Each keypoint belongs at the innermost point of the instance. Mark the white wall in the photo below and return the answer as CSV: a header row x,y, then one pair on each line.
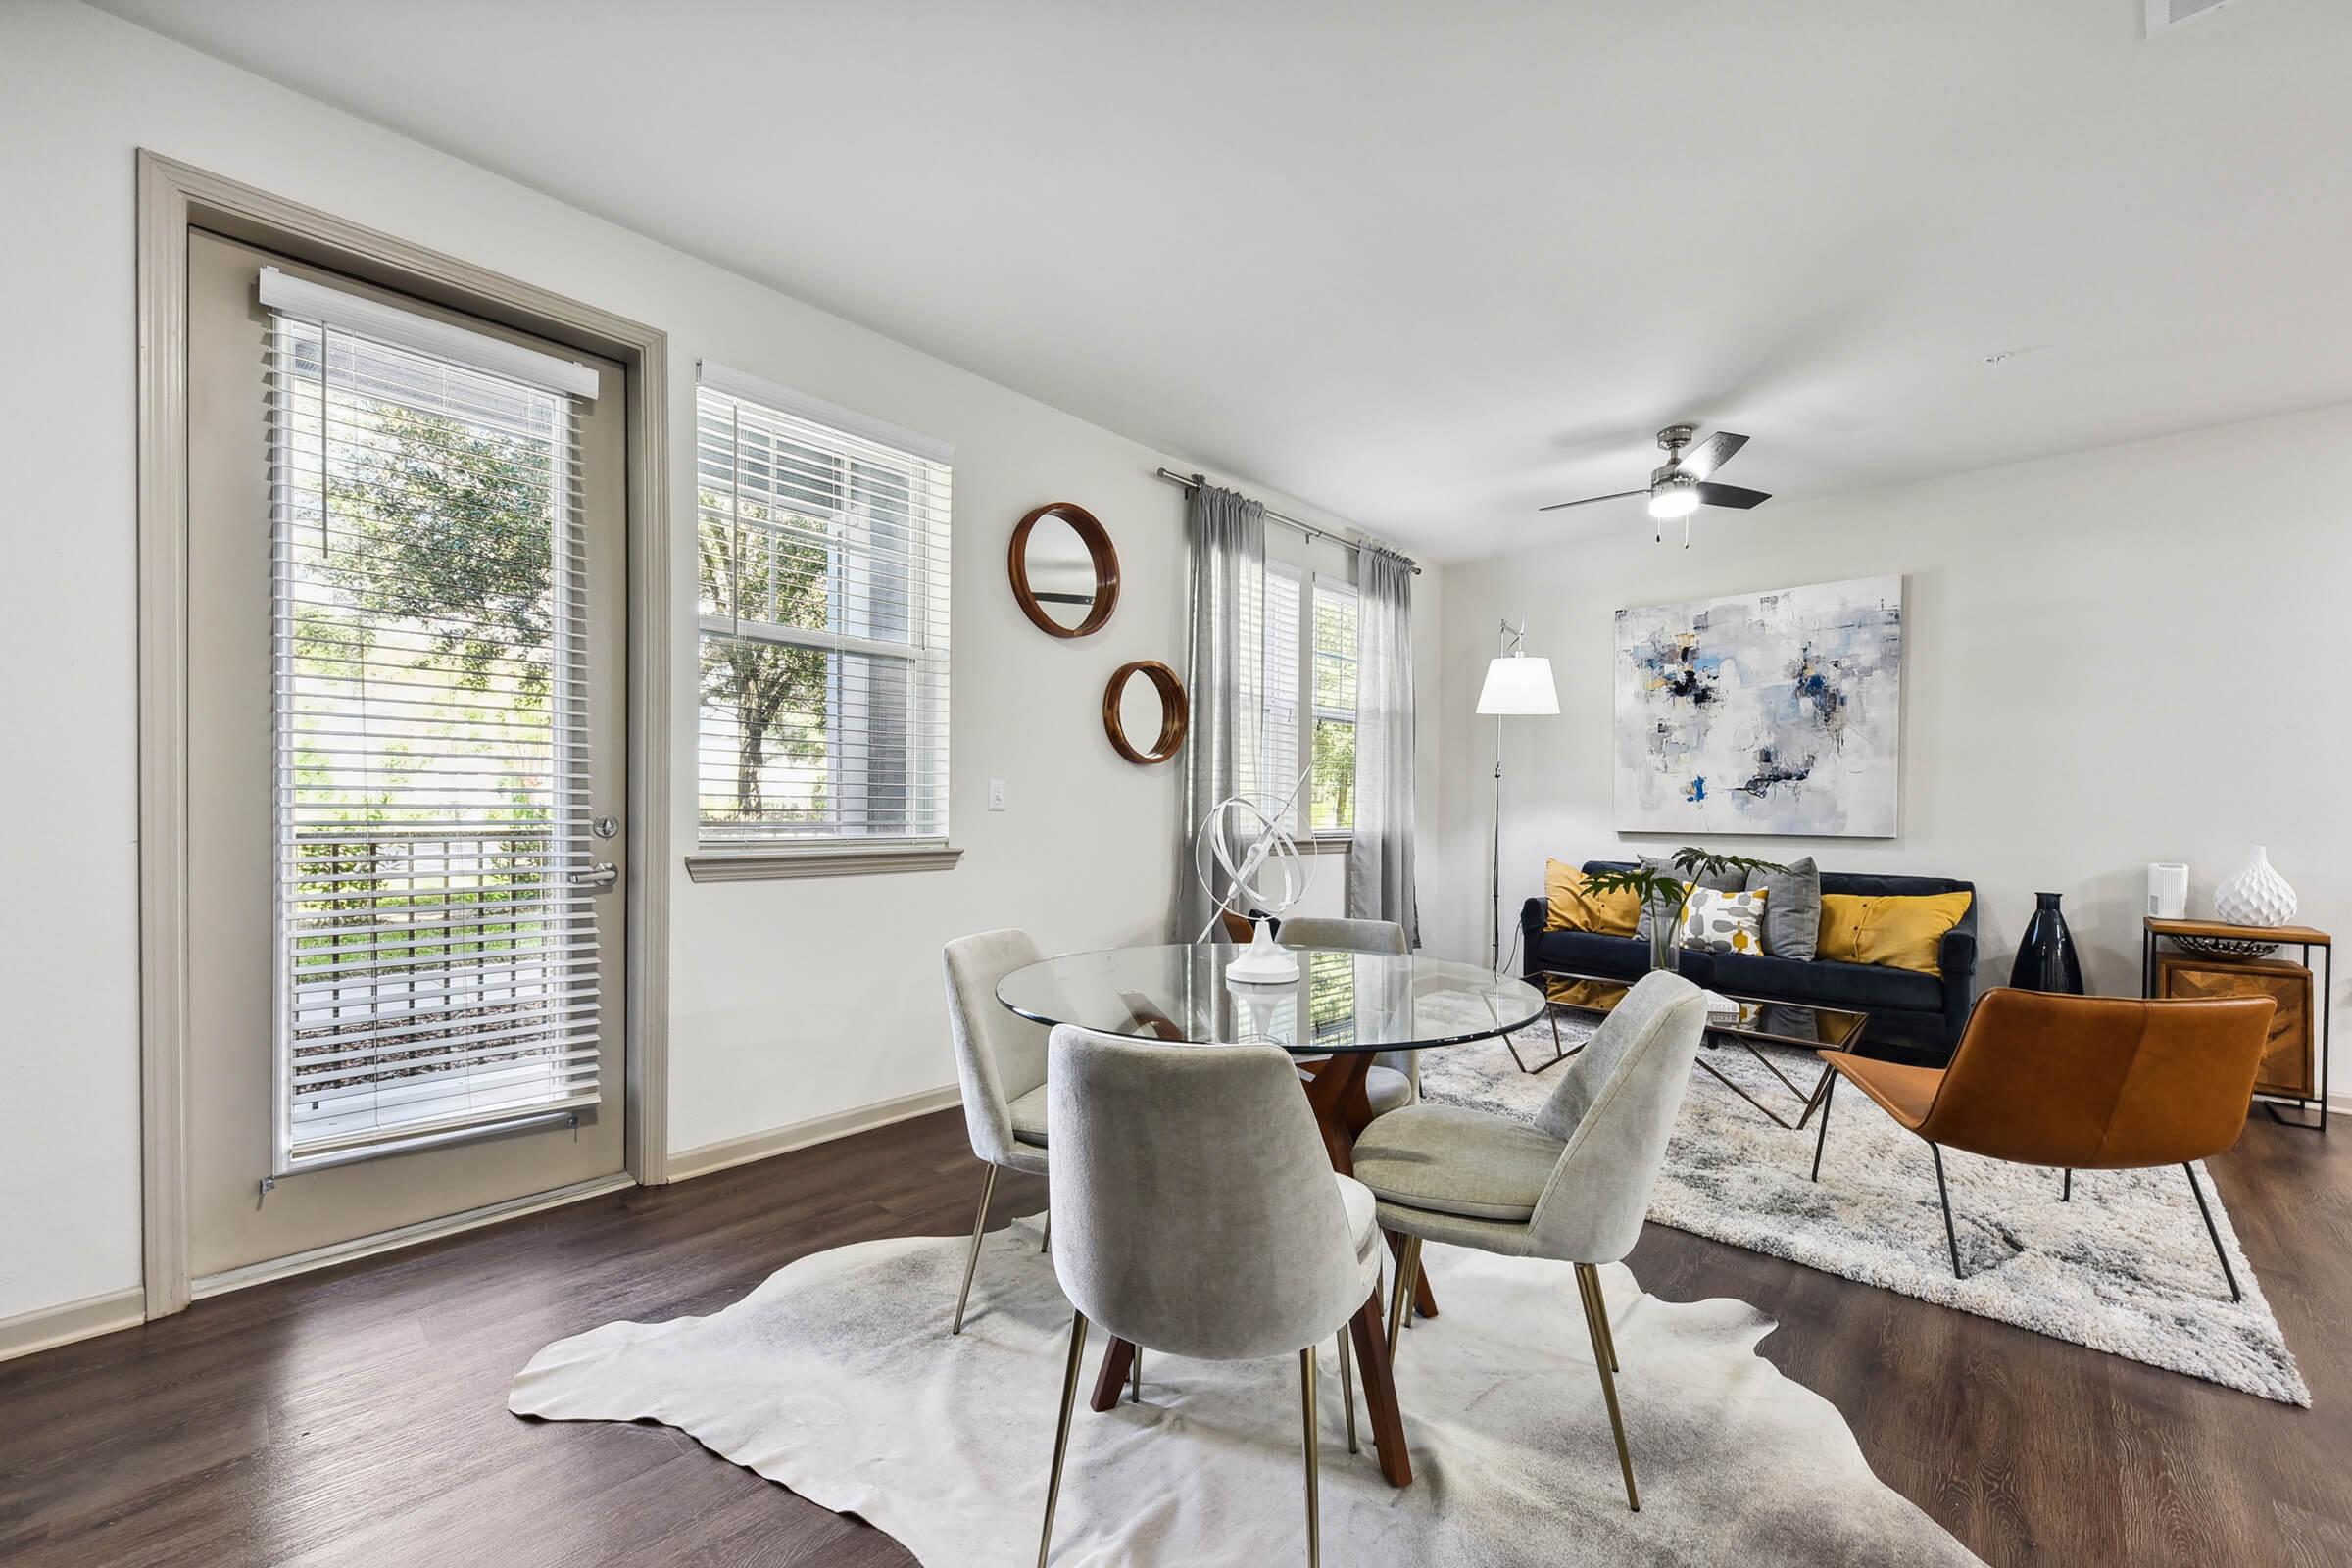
x,y
792,1000
2112,658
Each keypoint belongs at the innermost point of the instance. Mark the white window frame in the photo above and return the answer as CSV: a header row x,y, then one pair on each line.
x,y
836,853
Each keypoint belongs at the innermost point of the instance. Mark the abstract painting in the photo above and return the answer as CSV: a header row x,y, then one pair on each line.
x,y
1762,713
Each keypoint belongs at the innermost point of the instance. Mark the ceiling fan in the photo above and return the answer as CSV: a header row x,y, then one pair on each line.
x,y
1679,486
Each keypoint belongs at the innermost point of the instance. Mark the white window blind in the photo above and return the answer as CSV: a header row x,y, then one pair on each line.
x,y
822,539
1307,709
1281,732
1332,697
437,972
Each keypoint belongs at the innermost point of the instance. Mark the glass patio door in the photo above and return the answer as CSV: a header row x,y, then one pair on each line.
x,y
405,536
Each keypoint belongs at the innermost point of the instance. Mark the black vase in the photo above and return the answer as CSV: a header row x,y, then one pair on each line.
x,y
2047,959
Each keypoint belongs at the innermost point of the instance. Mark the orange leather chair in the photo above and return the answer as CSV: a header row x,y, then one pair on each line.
x,y
2082,1083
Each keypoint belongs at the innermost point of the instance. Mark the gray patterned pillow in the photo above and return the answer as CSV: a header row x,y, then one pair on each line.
x,y
1721,881
1715,922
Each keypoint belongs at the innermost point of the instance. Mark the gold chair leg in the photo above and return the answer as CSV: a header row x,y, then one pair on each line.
x,y
988,1188
1347,1388
1061,1433
1603,1359
1314,1518
1589,1284
1408,1274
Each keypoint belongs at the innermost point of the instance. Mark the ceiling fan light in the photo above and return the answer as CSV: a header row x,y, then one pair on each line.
x,y
1674,497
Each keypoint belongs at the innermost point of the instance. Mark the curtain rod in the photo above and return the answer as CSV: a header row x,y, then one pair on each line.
x,y
1193,481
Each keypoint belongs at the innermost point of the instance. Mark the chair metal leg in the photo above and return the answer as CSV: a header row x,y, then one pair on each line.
x,y
1046,1242
1347,1388
988,1188
1314,1519
1944,1196
1605,1360
2214,1232
1061,1433
1408,1270
1135,1377
2066,1192
1829,1093
1589,1284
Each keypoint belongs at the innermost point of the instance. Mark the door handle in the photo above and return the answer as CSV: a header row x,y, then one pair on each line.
x,y
604,876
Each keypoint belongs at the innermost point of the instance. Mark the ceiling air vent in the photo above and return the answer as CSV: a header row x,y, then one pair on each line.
x,y
2165,14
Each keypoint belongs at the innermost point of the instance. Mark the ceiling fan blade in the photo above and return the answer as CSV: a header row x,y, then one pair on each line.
x,y
1712,454
1731,494
1617,494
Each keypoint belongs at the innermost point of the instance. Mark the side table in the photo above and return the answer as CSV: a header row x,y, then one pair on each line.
x,y
2305,1018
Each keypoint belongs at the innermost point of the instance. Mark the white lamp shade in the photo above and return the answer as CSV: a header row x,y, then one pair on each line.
x,y
1518,685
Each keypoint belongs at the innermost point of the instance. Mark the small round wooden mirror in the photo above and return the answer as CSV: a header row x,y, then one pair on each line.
x,y
1154,706
1064,571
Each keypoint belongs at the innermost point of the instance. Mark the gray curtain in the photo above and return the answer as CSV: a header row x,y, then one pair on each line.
x,y
1224,675
1380,861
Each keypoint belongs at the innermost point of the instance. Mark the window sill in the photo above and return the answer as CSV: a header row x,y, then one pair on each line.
x,y
1328,843
767,865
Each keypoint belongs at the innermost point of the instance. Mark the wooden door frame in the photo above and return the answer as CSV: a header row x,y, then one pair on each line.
x,y
173,198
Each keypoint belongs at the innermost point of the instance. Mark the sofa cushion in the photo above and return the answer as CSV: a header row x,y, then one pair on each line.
x,y
1584,953
1792,909
1862,986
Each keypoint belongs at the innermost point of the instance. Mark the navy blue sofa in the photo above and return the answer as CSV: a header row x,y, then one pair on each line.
x,y
1914,1017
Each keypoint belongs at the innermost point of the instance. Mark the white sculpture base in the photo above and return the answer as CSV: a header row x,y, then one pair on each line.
x,y
1262,963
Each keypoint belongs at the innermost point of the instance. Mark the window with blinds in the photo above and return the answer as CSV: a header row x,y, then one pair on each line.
x,y
1309,703
1282,729
822,539
437,970
1332,694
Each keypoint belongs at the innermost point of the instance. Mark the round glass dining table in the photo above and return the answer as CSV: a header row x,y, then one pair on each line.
x,y
1343,1001
1344,1009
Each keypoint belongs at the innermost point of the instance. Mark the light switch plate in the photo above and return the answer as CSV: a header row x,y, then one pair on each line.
x,y
995,794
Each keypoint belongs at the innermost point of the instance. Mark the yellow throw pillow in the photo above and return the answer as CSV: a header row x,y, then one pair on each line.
x,y
1574,907
1899,932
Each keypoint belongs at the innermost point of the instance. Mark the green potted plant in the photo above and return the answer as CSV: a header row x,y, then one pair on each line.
x,y
1665,894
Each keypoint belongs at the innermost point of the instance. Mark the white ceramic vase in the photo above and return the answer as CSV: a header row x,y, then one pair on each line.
x,y
2255,896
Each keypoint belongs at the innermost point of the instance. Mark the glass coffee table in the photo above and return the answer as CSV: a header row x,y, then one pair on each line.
x,y
1759,1022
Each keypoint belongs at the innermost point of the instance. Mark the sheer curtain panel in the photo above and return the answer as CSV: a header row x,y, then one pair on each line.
x,y
1225,675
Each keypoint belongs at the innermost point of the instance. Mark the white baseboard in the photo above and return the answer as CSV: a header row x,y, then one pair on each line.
x,y
47,1327
731,1151
278,1268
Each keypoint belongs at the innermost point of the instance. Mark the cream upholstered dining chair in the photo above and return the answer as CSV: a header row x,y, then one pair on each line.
x,y
1574,1187
1394,1080
1161,1243
1000,1065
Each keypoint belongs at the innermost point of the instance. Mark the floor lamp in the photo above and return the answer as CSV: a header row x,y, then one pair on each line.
x,y
1515,685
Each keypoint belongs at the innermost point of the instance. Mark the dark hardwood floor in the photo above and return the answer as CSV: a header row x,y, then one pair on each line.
x,y
359,1416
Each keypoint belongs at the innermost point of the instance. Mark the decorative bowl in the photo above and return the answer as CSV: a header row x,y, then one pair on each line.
x,y
2227,947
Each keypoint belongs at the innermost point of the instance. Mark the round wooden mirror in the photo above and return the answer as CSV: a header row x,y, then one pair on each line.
x,y
1130,706
1064,571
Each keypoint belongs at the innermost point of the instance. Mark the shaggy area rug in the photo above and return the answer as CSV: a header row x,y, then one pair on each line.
x,y
2124,1267
837,1378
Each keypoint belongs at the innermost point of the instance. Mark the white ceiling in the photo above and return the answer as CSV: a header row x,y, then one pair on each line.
x,y
1431,265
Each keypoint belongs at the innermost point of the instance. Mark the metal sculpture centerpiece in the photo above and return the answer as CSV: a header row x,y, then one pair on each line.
x,y
1262,881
